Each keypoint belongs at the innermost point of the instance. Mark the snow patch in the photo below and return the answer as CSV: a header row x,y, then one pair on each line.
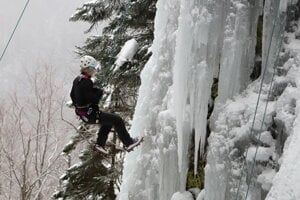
x,y
266,179
260,154
182,196
127,53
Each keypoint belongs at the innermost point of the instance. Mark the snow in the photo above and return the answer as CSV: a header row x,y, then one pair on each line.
x,y
286,182
266,179
276,138
184,195
261,154
232,135
127,53
266,138
294,45
201,195
195,191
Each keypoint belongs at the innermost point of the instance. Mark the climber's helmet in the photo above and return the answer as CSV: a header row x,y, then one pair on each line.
x,y
88,62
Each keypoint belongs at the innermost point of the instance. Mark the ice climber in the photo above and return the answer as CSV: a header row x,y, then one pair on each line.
x,y
85,98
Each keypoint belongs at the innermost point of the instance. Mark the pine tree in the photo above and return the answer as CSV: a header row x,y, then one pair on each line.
x,y
97,177
127,19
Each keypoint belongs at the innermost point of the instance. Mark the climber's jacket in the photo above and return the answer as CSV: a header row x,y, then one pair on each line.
x,y
85,96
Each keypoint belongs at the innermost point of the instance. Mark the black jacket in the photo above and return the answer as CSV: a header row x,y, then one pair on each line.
x,y
83,92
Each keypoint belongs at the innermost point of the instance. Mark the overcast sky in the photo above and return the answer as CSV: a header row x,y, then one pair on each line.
x,y
44,36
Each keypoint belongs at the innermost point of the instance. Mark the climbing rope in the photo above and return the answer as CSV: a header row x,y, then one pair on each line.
x,y
14,30
265,110
259,96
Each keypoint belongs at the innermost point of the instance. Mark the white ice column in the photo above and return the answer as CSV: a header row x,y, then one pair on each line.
x,y
272,35
151,171
193,76
238,54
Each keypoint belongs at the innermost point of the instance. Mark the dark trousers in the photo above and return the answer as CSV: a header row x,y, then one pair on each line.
x,y
109,120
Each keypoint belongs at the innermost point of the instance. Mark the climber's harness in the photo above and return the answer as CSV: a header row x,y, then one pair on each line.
x,y
89,114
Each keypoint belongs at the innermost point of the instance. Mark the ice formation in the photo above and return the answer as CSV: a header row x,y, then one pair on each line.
x,y
195,42
250,154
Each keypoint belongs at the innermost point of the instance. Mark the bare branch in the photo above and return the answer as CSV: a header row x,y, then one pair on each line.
x,y
62,117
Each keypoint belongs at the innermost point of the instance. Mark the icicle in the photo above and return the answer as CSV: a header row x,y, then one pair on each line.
x,y
192,81
237,59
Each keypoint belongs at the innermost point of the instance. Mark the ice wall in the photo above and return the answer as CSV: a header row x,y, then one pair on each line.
x,y
173,98
151,172
192,79
191,40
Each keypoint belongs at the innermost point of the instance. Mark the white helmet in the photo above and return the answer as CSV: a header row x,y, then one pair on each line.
x,y
88,62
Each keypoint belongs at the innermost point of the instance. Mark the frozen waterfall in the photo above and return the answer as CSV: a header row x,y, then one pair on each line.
x,y
173,98
195,42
